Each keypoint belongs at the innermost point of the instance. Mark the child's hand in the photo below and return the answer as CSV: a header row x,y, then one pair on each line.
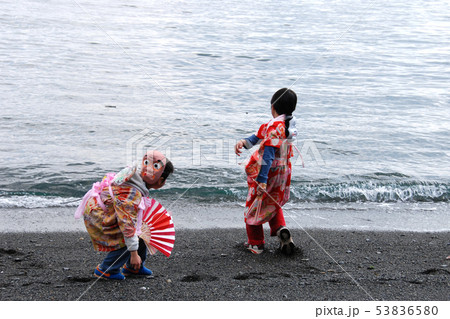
x,y
261,189
237,148
135,260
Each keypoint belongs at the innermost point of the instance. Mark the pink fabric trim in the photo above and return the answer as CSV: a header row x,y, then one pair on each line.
x,y
95,192
100,202
80,210
301,157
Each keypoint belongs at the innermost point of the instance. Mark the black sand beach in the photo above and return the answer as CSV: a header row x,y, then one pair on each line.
x,y
213,265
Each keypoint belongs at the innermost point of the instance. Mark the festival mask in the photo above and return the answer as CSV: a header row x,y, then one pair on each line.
x,y
152,166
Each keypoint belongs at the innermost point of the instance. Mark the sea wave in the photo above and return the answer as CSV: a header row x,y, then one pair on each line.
x,y
319,192
373,191
35,201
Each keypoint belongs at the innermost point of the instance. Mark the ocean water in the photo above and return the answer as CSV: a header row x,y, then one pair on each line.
x,y
86,86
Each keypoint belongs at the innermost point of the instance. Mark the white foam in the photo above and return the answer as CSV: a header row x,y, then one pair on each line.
x,y
30,201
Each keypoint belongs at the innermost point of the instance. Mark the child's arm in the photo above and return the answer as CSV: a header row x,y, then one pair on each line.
x,y
246,143
249,142
132,244
268,157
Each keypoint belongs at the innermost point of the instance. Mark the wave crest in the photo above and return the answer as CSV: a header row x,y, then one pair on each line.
x,y
319,192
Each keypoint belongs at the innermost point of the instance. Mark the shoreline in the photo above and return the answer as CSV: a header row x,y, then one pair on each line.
x,y
416,217
211,264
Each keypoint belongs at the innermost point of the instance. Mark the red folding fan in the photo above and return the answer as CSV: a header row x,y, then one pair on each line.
x,y
157,230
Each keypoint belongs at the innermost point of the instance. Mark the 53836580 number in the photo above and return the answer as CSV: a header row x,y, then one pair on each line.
x,y
403,310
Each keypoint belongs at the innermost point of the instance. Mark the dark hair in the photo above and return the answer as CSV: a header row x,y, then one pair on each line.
x,y
168,169
284,102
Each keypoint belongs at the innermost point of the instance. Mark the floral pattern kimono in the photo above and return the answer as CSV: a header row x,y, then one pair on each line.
x,y
112,210
107,228
117,211
261,209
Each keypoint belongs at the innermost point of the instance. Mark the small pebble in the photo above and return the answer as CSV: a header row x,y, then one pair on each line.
x,y
143,288
169,281
223,255
66,268
349,251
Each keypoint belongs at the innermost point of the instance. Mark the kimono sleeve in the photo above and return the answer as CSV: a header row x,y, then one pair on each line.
x,y
261,132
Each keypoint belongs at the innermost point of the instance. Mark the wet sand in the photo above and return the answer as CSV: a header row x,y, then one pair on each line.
x,y
212,264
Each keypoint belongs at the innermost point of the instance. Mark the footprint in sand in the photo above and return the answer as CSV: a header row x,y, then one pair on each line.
x,y
197,277
250,275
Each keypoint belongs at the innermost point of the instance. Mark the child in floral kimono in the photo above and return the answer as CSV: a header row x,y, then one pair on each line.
x,y
269,174
110,211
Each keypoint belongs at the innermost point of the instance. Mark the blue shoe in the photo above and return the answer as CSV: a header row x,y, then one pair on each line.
x,y
104,275
144,271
